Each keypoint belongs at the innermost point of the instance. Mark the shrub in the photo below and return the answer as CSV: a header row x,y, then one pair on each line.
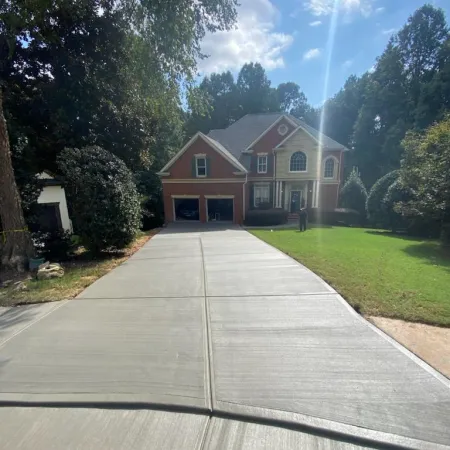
x,y
265,205
103,196
53,245
152,213
266,217
339,216
376,212
354,195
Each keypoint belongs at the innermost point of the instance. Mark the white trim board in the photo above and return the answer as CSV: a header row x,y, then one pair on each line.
x,y
208,141
202,181
219,196
185,196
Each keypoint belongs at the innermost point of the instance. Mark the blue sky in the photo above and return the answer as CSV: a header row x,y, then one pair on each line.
x,y
289,38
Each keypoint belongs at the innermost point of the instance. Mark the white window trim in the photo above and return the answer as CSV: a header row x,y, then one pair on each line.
x,y
197,157
298,171
284,127
335,170
259,186
262,155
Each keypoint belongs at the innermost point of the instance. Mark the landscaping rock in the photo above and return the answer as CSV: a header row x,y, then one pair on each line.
x,y
6,283
44,266
20,286
53,270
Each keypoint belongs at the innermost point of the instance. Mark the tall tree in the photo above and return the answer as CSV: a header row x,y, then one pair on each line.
x,y
383,119
80,66
255,93
425,171
419,43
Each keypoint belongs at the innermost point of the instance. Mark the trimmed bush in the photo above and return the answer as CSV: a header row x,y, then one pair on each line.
x,y
266,217
354,195
103,196
375,208
53,245
339,216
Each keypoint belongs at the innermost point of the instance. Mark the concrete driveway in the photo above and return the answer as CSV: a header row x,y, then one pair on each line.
x,y
208,338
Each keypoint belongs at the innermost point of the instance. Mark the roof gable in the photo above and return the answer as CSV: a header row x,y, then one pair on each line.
x,y
211,143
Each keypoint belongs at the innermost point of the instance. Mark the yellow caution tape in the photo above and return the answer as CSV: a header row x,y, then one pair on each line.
x,y
11,231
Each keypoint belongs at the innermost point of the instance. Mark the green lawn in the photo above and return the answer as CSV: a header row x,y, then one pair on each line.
x,y
377,272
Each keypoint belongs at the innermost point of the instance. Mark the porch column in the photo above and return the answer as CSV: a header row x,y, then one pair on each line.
x,y
275,198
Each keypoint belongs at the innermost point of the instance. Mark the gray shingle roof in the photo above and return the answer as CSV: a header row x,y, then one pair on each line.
x,y
229,155
238,136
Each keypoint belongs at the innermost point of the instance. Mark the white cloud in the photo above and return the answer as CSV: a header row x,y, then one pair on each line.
x,y
380,10
347,64
389,31
372,69
252,40
316,23
347,7
313,53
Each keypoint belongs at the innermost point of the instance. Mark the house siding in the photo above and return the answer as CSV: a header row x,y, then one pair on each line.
x,y
302,142
328,196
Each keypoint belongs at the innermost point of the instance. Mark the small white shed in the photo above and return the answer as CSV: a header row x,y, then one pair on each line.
x,y
53,199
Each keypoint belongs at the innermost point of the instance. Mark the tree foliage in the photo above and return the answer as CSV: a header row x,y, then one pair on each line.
x,y
226,100
425,172
354,194
100,72
103,195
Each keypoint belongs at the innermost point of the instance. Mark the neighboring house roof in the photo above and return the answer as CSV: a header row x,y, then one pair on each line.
x,y
214,144
47,178
242,133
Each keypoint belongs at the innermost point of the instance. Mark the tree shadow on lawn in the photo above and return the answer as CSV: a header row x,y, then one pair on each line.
x,y
429,251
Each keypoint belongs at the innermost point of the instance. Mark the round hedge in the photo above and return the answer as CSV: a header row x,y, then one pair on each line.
x,y
103,197
376,212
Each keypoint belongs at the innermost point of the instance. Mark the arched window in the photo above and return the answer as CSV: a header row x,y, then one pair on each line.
x,y
298,162
328,168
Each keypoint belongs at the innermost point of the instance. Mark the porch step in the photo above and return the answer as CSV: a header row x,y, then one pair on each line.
x,y
292,216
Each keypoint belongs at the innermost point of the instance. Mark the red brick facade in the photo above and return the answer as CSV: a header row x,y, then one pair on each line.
x,y
181,181
226,178
266,144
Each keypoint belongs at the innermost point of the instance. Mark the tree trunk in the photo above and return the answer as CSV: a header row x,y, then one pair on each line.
x,y
16,245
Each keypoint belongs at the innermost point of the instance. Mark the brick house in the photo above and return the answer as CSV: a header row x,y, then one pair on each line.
x,y
261,158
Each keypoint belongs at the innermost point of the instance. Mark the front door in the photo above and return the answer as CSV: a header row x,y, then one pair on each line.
x,y
296,200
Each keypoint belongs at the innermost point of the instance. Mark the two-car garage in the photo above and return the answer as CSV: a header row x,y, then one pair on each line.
x,y
214,208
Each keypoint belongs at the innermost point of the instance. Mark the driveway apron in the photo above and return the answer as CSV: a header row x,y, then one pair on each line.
x,y
217,337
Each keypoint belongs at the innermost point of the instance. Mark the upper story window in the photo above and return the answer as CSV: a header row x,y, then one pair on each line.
x,y
329,168
297,162
200,166
262,164
282,129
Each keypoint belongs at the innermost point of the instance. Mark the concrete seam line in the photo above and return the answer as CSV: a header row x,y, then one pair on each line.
x,y
208,349
420,362
205,435
62,303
